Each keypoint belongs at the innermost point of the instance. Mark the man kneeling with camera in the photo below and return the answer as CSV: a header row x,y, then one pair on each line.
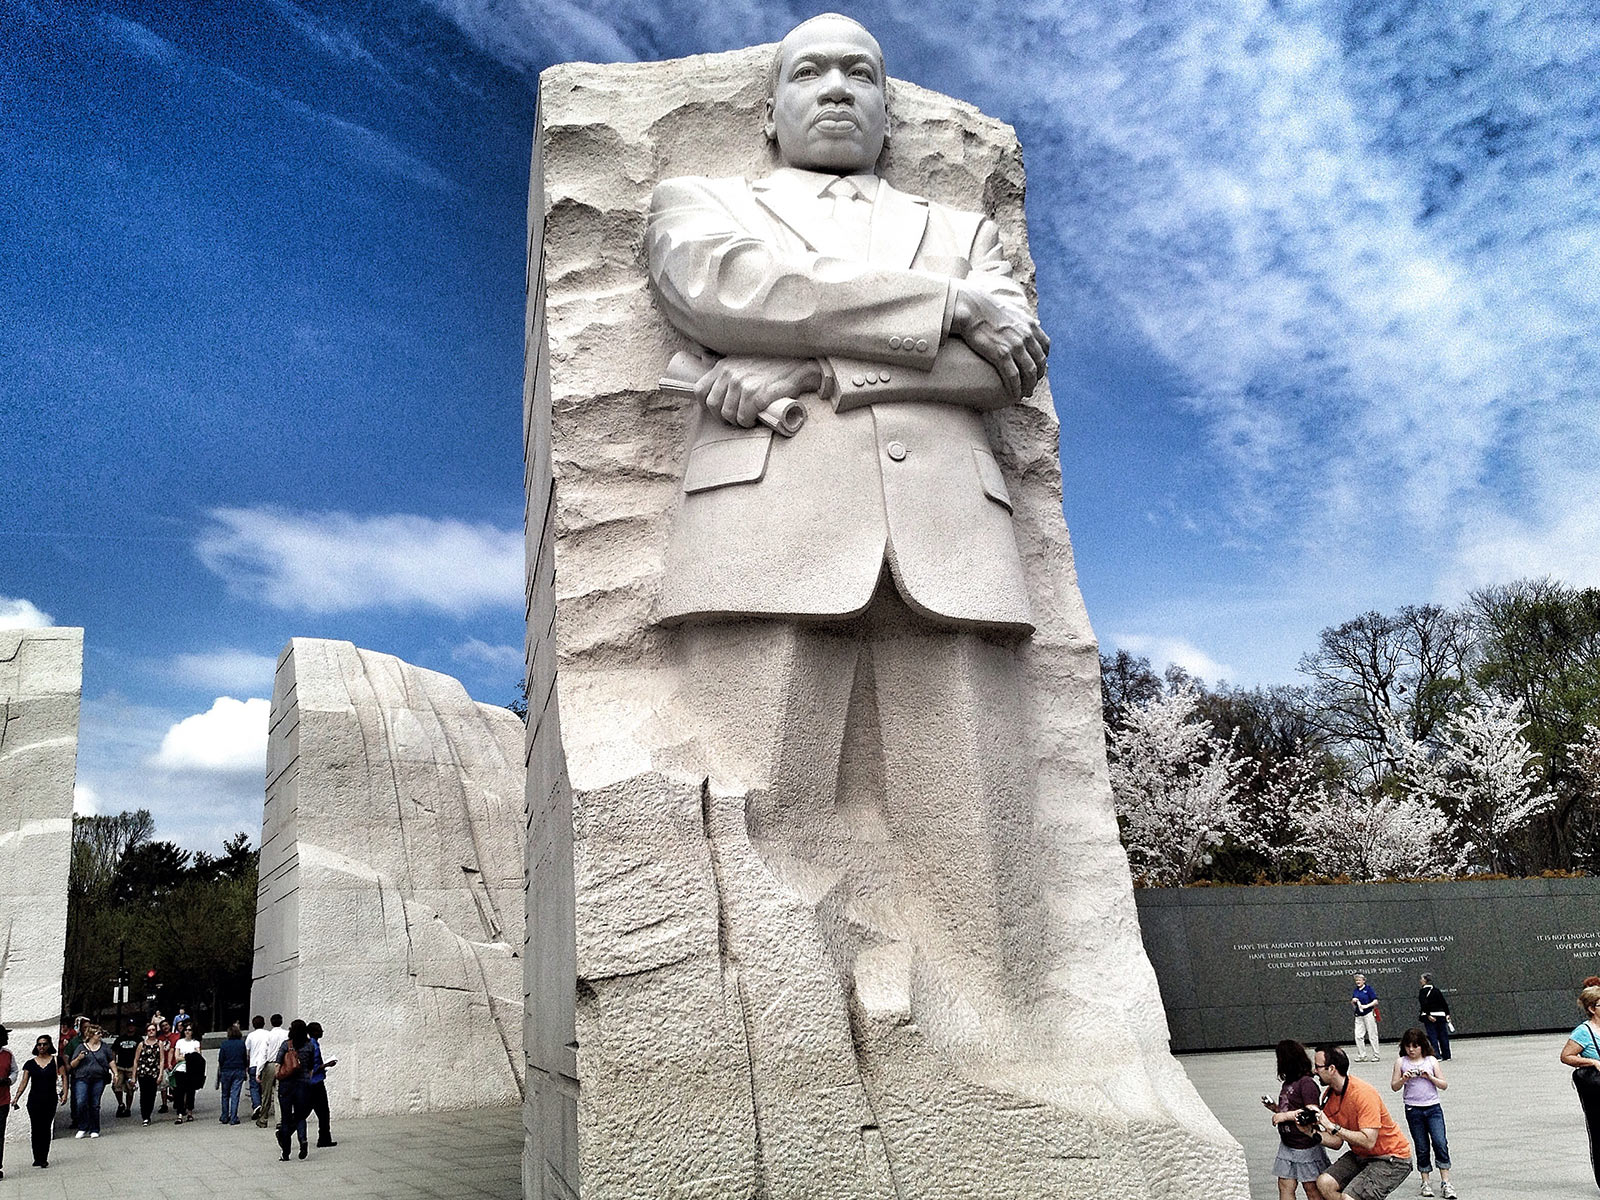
x,y
1353,1116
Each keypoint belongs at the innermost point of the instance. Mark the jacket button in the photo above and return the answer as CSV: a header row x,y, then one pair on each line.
x,y
896,342
922,345
897,450
883,377
859,380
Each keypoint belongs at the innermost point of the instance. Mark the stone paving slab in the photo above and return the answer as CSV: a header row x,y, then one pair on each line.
x,y
1513,1122
470,1155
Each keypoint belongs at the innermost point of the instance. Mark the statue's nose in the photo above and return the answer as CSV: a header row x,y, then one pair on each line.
x,y
834,87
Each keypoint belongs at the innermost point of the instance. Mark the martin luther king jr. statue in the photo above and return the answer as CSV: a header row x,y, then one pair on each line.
x,y
855,591
851,917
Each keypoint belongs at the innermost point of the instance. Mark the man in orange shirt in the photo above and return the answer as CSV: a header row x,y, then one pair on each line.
x,y
1354,1117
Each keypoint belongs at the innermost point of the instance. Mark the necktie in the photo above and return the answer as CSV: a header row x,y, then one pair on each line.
x,y
851,216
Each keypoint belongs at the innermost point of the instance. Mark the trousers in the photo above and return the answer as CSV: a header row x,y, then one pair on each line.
x,y
149,1088
1366,1028
268,1076
1439,1035
87,1093
41,1117
292,1110
1586,1082
1427,1127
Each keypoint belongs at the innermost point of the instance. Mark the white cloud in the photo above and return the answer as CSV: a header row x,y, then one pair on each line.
x,y
1362,236
1566,547
524,33
339,562
481,653
229,738
16,613
226,670
1162,651
85,801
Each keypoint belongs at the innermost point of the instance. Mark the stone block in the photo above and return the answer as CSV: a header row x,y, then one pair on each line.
x,y
391,890
41,676
813,977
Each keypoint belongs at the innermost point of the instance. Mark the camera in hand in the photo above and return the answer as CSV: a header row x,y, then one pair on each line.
x,y
1306,1117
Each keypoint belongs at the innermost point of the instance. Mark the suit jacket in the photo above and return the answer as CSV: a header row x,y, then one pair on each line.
x,y
897,469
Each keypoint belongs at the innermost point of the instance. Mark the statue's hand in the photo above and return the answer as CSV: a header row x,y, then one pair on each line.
x,y
739,387
1001,332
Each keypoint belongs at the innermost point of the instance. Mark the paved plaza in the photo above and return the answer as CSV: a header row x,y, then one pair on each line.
x,y
443,1156
1515,1129
1515,1133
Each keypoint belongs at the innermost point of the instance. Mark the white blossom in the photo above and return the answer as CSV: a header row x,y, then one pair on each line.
x,y
1177,787
1483,773
1585,754
1368,835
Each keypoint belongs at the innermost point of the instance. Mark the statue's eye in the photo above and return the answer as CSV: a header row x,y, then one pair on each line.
x,y
803,71
865,73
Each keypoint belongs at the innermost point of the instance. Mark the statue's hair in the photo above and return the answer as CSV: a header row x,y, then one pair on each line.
x,y
777,56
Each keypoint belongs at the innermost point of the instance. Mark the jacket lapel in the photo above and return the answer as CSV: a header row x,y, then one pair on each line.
x,y
799,210
898,223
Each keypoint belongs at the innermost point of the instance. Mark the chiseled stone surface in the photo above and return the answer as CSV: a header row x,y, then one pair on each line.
x,y
41,675
390,905
731,997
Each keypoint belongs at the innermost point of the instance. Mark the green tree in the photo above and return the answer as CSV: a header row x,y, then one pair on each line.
x,y
1538,642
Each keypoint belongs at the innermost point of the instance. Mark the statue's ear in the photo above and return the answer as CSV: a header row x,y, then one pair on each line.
x,y
769,124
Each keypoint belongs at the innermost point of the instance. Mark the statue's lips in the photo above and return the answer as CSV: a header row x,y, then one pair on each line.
x,y
836,121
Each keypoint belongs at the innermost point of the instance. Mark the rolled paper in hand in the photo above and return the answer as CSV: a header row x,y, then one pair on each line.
x,y
784,416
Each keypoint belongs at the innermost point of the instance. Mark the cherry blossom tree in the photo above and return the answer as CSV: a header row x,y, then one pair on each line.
x,y
1176,785
1369,835
1483,775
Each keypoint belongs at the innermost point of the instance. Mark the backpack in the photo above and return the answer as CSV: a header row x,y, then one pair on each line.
x,y
291,1062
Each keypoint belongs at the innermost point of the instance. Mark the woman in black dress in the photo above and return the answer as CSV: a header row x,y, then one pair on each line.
x,y
43,1085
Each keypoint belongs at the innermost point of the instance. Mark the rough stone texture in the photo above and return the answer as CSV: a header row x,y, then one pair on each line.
x,y
390,905
41,674
690,1033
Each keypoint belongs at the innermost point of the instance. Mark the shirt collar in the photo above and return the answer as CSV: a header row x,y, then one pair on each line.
x,y
816,182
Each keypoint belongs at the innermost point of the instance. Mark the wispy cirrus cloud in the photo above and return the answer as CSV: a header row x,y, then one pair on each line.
x,y
1360,237
329,562
479,653
360,142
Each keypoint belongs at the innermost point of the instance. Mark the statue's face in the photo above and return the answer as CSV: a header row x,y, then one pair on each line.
x,y
828,111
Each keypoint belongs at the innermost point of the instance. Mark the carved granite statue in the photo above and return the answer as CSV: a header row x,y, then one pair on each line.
x,y
41,675
825,891
390,903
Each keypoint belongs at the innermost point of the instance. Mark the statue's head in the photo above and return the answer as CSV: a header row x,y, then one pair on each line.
x,y
828,110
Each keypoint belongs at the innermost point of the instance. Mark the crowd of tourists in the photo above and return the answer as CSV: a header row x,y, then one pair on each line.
x,y
163,1070
1321,1106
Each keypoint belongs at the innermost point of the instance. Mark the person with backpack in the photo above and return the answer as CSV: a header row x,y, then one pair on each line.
x,y
294,1062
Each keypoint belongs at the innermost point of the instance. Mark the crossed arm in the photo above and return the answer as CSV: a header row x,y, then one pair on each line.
x,y
789,323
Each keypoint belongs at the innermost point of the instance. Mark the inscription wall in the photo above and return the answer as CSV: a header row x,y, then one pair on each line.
x,y
1243,967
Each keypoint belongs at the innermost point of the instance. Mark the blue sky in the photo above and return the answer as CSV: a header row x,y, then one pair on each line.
x,y
1322,281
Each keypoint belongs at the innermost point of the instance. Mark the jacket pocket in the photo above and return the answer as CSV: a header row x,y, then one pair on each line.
x,y
989,476
738,457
